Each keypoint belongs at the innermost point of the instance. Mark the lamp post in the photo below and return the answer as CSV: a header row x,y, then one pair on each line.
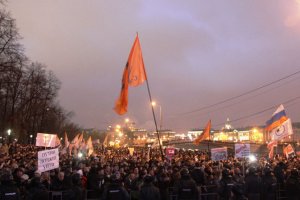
x,y
31,139
160,114
8,134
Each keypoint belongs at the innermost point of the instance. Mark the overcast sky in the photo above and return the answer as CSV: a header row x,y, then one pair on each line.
x,y
196,53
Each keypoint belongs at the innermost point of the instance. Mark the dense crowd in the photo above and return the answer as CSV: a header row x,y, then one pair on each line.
x,y
112,173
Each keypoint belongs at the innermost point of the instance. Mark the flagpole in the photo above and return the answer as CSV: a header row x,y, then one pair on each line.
x,y
154,118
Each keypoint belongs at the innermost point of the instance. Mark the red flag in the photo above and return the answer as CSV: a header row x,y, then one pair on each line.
x,y
271,146
205,135
134,75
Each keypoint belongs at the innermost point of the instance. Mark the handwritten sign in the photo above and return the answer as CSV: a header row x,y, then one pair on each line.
x,y
241,150
219,154
48,160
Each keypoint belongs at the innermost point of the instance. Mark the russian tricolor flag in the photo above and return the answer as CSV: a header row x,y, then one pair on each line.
x,y
277,118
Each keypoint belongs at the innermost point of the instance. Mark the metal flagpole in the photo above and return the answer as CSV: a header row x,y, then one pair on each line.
x,y
154,118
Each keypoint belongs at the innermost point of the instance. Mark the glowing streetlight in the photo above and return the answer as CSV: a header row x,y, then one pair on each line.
x,y
8,132
31,136
126,120
153,103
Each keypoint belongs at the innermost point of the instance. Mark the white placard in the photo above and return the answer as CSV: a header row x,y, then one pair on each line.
x,y
241,150
48,160
219,154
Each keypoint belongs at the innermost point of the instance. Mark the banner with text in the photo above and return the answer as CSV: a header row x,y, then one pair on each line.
x,y
219,154
48,160
46,140
241,150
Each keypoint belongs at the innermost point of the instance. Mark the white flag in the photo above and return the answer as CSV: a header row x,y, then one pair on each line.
x,y
282,131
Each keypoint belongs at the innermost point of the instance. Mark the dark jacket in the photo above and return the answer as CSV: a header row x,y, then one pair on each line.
x,y
9,191
198,176
186,188
149,192
114,191
253,186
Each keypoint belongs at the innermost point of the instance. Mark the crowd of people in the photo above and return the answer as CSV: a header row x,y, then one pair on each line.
x,y
114,173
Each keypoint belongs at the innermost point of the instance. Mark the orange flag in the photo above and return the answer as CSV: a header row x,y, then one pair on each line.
x,y
205,135
134,75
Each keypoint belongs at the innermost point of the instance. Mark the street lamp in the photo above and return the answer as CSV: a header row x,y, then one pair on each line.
x,y
30,140
153,103
8,135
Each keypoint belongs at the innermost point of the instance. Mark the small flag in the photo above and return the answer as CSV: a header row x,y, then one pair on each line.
x,y
134,75
205,135
271,146
67,143
288,150
89,145
278,117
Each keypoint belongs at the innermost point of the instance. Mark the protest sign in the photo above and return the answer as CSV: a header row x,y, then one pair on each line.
x,y
47,140
219,154
170,151
48,160
241,150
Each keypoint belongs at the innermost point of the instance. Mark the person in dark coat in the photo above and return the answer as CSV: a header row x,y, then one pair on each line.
x,y
253,185
293,185
226,184
186,189
8,189
198,175
148,190
115,190
36,190
269,184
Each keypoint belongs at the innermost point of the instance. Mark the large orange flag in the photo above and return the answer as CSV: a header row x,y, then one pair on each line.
x,y
134,74
205,135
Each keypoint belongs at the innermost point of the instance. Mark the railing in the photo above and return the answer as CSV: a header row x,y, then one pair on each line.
x,y
205,193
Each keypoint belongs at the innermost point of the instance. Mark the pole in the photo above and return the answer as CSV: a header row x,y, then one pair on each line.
x,y
208,144
157,133
160,118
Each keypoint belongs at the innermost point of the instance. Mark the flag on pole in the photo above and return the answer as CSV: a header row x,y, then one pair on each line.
x,y
283,130
89,145
67,143
278,117
288,150
271,146
205,134
134,75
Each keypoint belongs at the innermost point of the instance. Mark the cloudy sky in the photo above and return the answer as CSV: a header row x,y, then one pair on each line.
x,y
197,53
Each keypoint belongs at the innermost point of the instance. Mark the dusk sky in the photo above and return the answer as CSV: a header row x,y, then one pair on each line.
x,y
196,53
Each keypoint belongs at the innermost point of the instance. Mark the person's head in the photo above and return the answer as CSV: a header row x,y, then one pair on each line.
x,y
252,170
184,172
294,172
61,176
6,178
148,179
76,179
226,173
267,170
